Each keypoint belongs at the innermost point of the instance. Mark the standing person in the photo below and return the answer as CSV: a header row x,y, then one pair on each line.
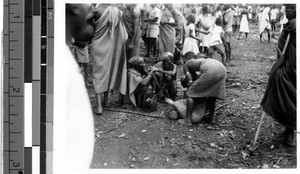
x,y
189,39
206,22
144,25
207,87
279,100
250,17
255,14
131,19
216,43
227,26
108,53
265,24
236,19
81,54
244,23
167,32
219,12
274,13
283,19
153,29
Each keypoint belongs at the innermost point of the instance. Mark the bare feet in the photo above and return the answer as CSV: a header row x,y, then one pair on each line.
x,y
99,111
184,122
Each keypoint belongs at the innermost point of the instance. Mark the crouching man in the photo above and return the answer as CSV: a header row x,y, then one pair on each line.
x,y
166,75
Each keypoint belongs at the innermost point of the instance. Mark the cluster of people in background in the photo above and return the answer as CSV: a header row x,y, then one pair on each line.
x,y
172,34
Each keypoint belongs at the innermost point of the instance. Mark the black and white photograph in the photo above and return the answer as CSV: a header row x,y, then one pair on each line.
x,y
187,86
135,86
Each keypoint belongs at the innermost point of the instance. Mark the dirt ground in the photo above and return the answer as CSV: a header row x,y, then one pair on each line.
x,y
125,140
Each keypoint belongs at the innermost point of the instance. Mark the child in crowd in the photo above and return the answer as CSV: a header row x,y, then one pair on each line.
x,y
216,40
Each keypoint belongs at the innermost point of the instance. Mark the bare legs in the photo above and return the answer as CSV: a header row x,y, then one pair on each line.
x,y
99,110
269,35
211,104
106,103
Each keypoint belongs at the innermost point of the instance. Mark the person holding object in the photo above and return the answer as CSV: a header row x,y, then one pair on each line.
x,y
138,80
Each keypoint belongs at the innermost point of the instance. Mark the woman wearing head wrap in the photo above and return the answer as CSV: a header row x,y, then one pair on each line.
x,y
189,39
138,80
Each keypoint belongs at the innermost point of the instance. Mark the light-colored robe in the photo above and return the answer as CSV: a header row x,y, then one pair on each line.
x,y
108,52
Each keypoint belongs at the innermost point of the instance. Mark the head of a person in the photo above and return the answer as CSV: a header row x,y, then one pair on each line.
x,y
205,9
226,7
153,5
191,18
219,7
167,59
169,6
138,64
189,55
130,6
218,22
77,25
290,11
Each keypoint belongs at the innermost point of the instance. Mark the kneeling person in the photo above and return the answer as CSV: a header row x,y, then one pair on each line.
x,y
206,87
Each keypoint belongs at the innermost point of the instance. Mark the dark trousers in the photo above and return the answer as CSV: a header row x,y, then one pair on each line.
x,y
151,45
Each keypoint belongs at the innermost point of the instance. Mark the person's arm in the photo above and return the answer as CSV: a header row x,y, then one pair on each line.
x,y
147,79
80,44
226,19
247,16
204,32
182,32
192,35
136,24
151,19
171,73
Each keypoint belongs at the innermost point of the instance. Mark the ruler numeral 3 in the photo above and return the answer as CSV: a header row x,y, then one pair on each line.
x,y
16,164
49,15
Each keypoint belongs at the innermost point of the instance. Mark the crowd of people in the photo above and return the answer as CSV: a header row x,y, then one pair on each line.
x,y
111,37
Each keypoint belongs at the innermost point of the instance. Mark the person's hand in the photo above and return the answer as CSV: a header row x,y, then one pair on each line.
x,y
153,69
190,83
130,46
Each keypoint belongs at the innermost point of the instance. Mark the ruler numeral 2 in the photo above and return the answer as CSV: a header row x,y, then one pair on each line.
x,y
17,90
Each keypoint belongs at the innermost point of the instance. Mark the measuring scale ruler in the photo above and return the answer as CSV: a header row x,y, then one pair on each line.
x,y
28,33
